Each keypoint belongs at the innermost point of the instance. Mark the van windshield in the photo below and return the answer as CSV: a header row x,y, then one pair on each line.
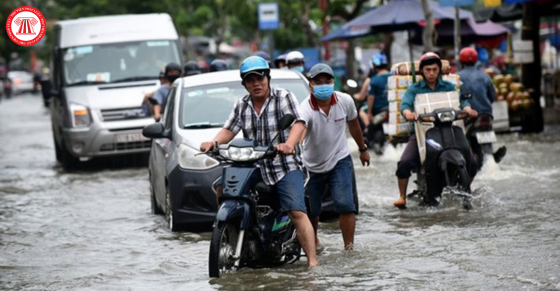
x,y
118,62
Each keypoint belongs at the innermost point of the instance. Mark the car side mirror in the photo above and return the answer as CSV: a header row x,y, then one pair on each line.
x,y
286,121
155,130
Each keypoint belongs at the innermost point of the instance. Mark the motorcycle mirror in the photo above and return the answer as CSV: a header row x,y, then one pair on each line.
x,y
286,121
351,83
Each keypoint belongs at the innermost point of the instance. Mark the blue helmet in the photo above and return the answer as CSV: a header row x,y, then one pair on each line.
x,y
254,65
379,60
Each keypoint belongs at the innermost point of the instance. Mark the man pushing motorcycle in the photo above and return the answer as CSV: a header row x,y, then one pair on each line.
x,y
257,115
430,68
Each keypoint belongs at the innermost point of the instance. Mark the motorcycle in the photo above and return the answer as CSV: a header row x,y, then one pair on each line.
x,y
481,137
446,163
376,136
250,230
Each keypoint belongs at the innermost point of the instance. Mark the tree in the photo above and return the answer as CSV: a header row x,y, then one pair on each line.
x,y
428,33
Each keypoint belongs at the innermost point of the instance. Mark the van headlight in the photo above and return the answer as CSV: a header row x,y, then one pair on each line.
x,y
80,115
189,160
241,154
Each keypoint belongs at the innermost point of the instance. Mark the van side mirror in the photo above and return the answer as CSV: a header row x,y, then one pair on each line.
x,y
155,130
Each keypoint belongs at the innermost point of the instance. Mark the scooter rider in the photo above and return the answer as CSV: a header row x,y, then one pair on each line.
x,y
257,116
480,85
430,69
218,65
295,61
191,68
377,97
280,61
172,72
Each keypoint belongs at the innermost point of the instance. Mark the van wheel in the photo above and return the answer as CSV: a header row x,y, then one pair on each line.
x,y
68,161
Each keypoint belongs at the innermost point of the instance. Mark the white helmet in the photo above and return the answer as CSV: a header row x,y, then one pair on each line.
x,y
294,57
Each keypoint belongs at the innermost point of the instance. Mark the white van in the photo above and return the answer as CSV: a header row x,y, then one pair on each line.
x,y
102,67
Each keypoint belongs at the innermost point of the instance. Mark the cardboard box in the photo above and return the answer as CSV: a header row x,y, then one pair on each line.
x,y
395,95
405,68
401,82
395,106
426,103
396,117
399,129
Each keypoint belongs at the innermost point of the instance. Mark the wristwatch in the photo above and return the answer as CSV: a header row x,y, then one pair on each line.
x,y
364,149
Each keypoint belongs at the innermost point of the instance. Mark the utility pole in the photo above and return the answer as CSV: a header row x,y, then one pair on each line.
x,y
531,73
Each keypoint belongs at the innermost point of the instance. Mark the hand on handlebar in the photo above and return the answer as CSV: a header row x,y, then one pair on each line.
x,y
410,116
286,149
208,146
472,113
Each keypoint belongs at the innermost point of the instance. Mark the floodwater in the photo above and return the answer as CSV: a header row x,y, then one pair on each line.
x,y
92,229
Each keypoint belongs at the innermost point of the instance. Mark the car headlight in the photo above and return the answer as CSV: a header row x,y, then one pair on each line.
x,y
188,159
241,154
80,115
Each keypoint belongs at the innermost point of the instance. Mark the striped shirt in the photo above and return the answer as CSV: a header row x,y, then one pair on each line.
x,y
264,127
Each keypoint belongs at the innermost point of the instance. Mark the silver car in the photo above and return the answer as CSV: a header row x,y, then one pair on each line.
x,y
183,181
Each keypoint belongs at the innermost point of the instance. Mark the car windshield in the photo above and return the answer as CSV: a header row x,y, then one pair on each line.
x,y
210,105
118,62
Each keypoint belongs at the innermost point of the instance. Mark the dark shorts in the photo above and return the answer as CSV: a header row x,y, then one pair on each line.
x,y
339,180
291,193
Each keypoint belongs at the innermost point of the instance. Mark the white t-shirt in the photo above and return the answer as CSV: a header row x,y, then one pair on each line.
x,y
325,142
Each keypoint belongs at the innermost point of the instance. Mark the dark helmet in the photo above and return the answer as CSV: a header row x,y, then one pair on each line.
x,y
254,65
191,68
468,56
218,65
172,67
263,55
161,74
281,59
429,58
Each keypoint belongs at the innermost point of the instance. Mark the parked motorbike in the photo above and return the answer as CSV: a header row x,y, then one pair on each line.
x,y
481,137
250,230
376,136
447,162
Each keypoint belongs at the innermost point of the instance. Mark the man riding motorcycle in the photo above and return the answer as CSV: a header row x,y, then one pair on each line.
x,y
480,85
256,115
430,69
377,101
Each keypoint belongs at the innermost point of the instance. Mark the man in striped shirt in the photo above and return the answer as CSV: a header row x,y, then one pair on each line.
x,y
258,115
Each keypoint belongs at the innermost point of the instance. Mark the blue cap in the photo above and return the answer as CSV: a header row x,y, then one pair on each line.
x,y
379,59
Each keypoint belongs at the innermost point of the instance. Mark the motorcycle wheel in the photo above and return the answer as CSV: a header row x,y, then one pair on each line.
x,y
222,249
460,179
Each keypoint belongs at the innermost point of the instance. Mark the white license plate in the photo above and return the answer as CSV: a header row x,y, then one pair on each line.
x,y
486,137
130,137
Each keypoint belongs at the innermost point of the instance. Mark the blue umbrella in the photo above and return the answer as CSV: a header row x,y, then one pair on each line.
x,y
346,32
403,15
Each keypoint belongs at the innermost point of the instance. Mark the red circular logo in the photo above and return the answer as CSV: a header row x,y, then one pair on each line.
x,y
26,26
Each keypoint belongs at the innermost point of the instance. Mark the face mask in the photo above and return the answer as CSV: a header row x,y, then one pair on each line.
x,y
171,78
323,92
298,69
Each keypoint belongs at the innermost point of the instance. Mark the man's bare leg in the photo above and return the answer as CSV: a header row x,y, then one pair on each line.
x,y
347,223
305,236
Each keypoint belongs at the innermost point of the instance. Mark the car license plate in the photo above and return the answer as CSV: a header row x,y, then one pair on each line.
x,y
130,137
486,137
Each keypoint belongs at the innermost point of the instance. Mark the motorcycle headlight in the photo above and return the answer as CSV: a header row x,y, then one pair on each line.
x,y
80,115
241,154
447,116
189,160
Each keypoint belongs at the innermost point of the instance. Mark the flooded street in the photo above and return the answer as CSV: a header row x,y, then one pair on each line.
x,y
92,229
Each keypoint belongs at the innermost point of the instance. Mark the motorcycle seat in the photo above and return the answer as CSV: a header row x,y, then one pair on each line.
x,y
261,187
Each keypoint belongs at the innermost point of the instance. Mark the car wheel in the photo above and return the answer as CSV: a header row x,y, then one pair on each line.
x,y
57,151
155,208
169,211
